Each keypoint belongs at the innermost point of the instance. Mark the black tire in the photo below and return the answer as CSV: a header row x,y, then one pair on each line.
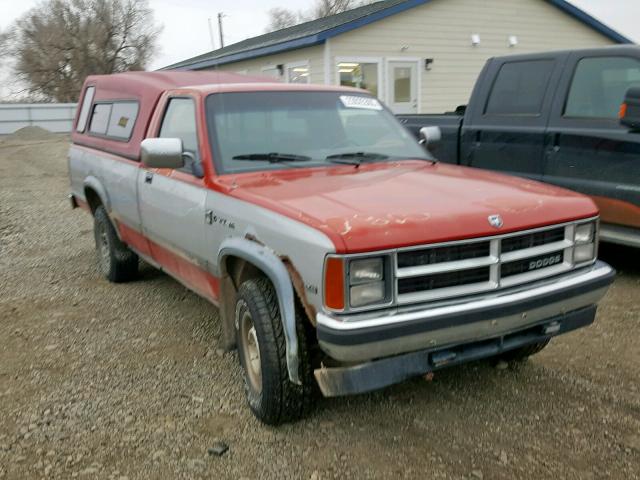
x,y
525,352
273,399
115,261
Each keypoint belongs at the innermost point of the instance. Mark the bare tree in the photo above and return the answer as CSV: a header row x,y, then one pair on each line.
x,y
280,18
4,47
325,8
57,44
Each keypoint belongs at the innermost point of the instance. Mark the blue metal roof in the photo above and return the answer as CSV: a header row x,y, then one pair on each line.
x,y
318,31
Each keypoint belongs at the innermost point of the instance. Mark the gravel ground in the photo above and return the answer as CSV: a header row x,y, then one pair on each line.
x,y
126,381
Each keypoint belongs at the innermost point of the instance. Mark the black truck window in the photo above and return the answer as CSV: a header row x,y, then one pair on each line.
x,y
519,88
599,85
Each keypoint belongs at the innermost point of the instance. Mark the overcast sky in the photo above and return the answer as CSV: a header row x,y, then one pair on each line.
x,y
186,31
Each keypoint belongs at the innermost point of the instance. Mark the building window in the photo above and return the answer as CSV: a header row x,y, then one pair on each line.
x,y
599,86
298,73
271,71
360,75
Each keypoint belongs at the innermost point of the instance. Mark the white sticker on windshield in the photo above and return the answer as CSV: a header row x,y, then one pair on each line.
x,y
353,101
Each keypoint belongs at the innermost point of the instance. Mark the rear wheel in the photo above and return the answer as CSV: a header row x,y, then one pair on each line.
x,y
262,351
115,261
524,352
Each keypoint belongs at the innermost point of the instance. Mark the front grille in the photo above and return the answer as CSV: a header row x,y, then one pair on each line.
x,y
531,264
443,280
532,240
478,265
430,256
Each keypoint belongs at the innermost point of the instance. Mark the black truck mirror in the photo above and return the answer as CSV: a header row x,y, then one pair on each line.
x,y
630,109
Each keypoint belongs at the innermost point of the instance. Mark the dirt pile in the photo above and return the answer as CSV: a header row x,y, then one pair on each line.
x,y
31,134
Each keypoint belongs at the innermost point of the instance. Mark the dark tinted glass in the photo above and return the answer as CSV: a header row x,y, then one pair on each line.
x,y
519,88
599,86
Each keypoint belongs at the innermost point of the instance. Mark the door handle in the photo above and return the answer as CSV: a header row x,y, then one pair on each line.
x,y
148,177
555,145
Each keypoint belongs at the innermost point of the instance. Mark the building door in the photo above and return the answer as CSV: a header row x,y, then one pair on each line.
x,y
403,87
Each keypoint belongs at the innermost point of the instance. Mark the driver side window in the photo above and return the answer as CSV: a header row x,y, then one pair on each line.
x,y
180,122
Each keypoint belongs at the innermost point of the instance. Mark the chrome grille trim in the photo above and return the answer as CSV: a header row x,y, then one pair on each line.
x,y
494,261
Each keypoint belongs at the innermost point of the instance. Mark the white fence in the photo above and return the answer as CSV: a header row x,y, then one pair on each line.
x,y
55,117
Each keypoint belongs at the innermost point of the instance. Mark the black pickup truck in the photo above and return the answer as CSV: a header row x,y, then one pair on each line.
x,y
570,118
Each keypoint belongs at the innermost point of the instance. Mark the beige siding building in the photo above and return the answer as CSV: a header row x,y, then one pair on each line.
x,y
418,56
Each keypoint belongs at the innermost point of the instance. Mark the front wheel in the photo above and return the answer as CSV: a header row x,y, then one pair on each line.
x,y
262,351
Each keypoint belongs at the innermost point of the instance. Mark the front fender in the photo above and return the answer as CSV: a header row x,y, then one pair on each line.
x,y
267,261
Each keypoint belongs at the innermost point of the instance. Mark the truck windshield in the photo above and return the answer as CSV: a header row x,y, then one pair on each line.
x,y
274,130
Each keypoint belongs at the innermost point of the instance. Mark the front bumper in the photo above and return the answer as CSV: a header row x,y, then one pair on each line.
x,y
556,303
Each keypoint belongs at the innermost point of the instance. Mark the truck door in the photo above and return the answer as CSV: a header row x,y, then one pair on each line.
x,y
588,150
172,202
506,125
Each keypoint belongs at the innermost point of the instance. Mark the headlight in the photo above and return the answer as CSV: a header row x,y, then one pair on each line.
x,y
364,271
367,285
356,282
584,233
585,243
367,294
584,253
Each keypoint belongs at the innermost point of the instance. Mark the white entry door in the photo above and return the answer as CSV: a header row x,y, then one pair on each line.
x,y
402,82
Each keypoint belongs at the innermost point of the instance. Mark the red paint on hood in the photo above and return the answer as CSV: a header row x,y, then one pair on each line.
x,y
390,205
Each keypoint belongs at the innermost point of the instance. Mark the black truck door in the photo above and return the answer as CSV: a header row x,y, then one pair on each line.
x,y
505,126
587,148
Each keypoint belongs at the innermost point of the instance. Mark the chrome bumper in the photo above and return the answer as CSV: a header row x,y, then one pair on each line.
x,y
361,338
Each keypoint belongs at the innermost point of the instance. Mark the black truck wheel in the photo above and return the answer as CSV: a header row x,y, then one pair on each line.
x,y
261,348
115,261
524,352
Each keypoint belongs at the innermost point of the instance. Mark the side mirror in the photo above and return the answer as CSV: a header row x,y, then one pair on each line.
x,y
430,136
630,109
162,153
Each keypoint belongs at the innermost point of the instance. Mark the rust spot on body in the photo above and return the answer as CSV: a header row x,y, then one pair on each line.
x,y
298,285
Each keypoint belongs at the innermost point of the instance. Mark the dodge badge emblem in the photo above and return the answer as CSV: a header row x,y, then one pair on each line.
x,y
495,221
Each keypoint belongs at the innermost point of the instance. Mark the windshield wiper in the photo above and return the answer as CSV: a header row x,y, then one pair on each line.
x,y
273,157
355,158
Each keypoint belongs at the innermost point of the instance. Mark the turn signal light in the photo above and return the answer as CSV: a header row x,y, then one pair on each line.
x,y
623,111
334,283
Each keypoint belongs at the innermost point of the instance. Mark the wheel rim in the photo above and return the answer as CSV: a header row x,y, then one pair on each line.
x,y
251,351
103,249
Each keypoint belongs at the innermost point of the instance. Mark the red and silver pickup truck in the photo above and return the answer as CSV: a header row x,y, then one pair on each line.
x,y
341,255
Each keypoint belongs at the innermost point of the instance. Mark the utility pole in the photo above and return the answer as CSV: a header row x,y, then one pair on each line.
x,y
213,43
220,15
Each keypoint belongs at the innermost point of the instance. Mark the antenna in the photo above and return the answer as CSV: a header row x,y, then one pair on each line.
x,y
220,16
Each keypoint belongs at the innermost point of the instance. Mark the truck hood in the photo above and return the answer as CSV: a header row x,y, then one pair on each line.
x,y
389,205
